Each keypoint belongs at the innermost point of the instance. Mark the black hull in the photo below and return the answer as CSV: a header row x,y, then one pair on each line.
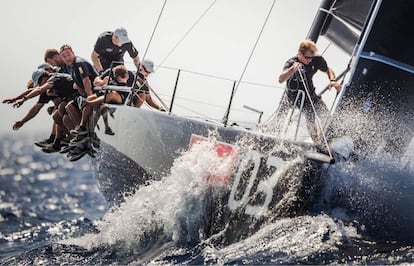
x,y
268,178
118,176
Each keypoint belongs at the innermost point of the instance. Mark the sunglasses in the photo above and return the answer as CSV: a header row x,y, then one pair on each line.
x,y
306,57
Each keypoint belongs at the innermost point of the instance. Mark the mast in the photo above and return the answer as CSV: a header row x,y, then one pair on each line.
x,y
319,20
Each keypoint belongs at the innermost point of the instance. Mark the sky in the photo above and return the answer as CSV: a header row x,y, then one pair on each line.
x,y
219,45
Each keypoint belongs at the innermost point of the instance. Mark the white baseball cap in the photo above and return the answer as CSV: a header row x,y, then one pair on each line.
x,y
122,35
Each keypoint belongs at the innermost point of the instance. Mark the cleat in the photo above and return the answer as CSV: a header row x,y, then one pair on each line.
x,y
74,151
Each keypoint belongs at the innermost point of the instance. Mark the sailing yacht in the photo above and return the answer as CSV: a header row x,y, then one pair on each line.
x,y
372,113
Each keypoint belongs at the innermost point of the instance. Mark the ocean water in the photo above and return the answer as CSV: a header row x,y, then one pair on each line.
x,y
51,212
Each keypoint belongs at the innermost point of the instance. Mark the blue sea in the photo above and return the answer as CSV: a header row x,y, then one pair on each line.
x,y
52,213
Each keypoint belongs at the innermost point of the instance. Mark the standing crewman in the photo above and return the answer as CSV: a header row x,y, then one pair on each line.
x,y
298,73
111,47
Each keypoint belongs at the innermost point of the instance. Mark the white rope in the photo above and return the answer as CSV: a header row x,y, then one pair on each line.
x,y
317,119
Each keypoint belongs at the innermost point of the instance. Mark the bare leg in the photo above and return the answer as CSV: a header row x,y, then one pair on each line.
x,y
67,121
58,117
73,113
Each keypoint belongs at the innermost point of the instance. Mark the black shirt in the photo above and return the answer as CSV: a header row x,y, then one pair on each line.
x,y
141,83
109,72
44,98
62,86
308,71
113,81
109,52
81,69
63,69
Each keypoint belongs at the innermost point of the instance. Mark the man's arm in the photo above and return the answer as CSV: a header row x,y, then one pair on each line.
x,y
331,74
288,72
32,113
136,61
332,80
21,95
38,90
33,93
96,62
100,82
87,85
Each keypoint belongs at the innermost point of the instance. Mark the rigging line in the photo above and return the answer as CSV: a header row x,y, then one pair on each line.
x,y
209,104
255,45
188,32
326,48
145,53
179,42
205,103
251,53
222,78
317,119
155,28
195,112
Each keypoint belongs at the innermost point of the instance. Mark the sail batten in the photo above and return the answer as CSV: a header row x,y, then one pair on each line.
x,y
341,22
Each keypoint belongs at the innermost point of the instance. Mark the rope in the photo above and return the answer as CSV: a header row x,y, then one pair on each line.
x,y
187,32
251,54
220,77
155,28
326,48
170,52
255,45
317,119
145,53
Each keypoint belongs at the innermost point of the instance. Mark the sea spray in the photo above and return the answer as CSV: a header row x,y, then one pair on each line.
x,y
374,190
167,210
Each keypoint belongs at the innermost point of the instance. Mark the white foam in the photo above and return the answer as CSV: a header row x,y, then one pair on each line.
x,y
157,210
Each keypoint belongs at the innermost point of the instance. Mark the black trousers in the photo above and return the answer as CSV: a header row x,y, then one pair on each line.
x,y
288,102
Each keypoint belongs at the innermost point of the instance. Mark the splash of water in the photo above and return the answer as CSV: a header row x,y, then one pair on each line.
x,y
376,191
167,210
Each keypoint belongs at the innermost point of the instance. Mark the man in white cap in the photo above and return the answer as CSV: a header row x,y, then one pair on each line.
x,y
142,88
110,49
